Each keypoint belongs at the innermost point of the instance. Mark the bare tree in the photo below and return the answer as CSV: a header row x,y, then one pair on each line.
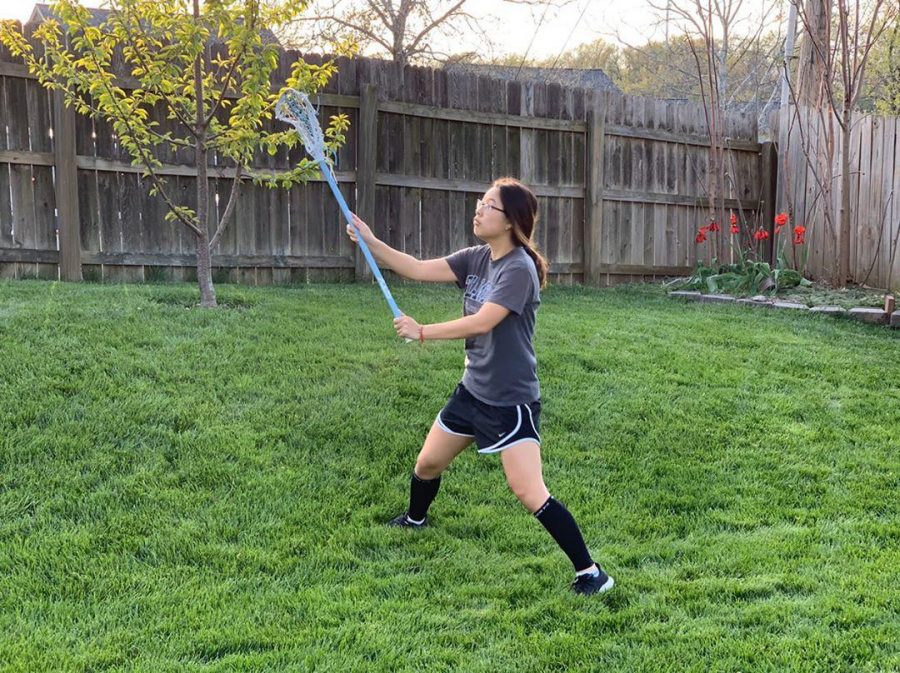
x,y
403,30
723,29
667,69
708,27
838,38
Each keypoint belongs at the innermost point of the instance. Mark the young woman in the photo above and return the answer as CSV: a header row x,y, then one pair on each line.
x,y
497,404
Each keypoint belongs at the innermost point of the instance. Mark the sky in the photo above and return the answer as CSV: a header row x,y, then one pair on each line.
x,y
543,35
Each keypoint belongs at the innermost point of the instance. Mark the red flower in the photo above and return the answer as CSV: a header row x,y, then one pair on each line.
x,y
781,219
735,229
799,232
733,220
701,235
713,226
761,234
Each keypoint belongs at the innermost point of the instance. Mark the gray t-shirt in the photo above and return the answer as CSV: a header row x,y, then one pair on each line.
x,y
501,368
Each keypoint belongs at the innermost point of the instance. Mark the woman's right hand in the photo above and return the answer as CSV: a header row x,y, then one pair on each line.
x,y
364,231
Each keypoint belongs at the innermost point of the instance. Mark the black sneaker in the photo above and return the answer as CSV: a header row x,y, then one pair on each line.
x,y
592,584
403,521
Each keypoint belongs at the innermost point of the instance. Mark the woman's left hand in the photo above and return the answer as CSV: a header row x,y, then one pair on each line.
x,y
406,327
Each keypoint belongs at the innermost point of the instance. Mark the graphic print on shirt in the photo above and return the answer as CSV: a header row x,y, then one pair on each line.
x,y
477,290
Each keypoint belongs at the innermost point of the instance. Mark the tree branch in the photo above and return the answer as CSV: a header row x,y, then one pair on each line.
x,y
368,33
436,23
232,200
163,95
148,159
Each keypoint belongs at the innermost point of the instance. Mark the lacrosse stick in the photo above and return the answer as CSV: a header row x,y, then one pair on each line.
x,y
294,108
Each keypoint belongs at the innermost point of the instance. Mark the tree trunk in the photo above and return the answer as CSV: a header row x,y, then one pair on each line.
x,y
723,69
204,266
204,271
844,232
398,35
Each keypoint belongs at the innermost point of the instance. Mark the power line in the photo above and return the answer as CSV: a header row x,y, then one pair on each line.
x,y
571,32
533,37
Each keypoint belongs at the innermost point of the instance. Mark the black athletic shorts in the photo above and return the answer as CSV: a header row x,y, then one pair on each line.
x,y
493,428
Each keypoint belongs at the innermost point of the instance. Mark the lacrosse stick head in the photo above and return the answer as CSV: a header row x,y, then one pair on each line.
x,y
295,108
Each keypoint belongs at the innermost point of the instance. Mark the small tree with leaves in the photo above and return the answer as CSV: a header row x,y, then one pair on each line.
x,y
151,55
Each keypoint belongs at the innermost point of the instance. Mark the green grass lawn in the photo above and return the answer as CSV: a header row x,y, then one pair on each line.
x,y
187,490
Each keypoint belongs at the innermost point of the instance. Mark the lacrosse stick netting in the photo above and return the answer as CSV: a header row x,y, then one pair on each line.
x,y
295,108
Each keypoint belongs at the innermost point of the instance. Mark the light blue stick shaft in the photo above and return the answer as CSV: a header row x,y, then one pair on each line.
x,y
326,171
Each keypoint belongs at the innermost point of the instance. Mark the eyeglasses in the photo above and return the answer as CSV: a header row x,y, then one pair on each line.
x,y
479,204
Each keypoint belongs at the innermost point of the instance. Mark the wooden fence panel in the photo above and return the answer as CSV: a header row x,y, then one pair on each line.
x,y
804,136
440,138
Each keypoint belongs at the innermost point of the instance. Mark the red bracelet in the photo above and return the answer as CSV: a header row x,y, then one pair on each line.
x,y
421,334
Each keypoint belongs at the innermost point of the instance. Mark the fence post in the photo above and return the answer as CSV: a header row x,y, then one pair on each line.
x,y
367,139
768,157
66,188
594,179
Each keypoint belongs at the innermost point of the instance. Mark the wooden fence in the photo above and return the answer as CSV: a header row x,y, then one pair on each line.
x,y
621,181
874,192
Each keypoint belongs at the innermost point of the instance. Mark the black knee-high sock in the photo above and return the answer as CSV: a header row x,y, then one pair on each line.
x,y
554,516
421,493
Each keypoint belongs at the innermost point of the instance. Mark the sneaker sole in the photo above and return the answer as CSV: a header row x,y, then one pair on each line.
x,y
607,585
391,524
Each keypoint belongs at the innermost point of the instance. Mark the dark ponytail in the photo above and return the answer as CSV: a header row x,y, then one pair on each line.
x,y
521,208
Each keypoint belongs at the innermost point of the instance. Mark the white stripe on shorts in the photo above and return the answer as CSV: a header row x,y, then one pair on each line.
x,y
531,418
506,446
493,448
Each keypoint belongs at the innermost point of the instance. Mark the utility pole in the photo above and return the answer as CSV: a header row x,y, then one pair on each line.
x,y
788,53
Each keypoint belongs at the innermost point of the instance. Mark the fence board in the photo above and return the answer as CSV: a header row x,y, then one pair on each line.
x,y
893,266
7,269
